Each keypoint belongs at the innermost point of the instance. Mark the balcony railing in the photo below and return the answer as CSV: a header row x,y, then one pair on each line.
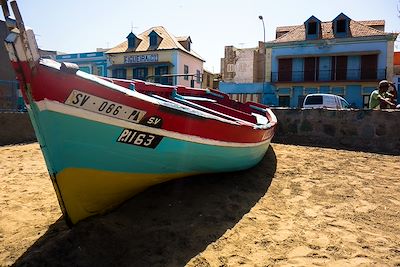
x,y
329,75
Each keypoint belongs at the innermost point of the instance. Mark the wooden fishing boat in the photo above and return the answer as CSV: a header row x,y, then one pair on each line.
x,y
105,139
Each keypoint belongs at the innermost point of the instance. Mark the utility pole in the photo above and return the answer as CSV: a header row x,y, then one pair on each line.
x,y
265,56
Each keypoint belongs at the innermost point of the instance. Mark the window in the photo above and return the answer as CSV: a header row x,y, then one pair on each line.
x,y
159,71
230,68
345,104
311,68
131,43
369,64
339,68
140,74
100,70
153,40
312,28
198,76
285,70
341,26
314,100
131,40
119,73
284,101
186,71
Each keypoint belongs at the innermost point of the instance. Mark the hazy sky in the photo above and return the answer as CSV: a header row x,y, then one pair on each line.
x,y
76,26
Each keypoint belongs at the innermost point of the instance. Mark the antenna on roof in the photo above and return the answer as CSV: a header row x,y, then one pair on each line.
x,y
133,27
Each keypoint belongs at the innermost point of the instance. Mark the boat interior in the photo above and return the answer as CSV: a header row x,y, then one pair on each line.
x,y
207,100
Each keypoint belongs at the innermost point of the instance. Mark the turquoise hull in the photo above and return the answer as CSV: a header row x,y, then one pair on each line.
x,y
80,143
93,173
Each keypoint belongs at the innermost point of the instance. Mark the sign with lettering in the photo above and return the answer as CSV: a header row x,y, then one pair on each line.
x,y
138,138
103,106
141,58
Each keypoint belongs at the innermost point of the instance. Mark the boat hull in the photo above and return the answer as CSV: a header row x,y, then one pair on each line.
x,y
93,172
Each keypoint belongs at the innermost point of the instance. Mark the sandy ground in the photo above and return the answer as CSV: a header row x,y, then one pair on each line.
x,y
300,206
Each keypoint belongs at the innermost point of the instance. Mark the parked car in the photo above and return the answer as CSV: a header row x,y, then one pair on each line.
x,y
328,101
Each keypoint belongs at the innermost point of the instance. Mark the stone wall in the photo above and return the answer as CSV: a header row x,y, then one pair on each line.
x,y
364,130
16,128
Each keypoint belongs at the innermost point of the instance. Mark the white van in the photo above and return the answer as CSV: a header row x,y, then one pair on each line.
x,y
327,101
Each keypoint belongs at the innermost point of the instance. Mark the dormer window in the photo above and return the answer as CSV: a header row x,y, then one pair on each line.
x,y
155,39
186,45
313,28
133,41
185,41
340,25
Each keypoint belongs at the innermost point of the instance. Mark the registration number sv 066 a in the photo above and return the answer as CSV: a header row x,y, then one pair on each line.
x,y
103,106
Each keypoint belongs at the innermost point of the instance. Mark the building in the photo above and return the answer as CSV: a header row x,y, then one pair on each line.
x,y
6,71
92,62
243,65
9,95
158,56
342,56
242,70
209,80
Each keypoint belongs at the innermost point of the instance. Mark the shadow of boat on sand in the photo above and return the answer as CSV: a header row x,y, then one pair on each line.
x,y
166,225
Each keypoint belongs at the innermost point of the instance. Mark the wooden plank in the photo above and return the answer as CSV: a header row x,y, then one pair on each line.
x,y
4,6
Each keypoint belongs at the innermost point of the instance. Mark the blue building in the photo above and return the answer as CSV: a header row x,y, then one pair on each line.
x,y
92,63
342,57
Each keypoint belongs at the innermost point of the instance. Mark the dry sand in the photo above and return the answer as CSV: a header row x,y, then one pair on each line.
x,y
300,206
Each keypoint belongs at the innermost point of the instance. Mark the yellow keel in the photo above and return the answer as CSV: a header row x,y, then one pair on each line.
x,y
86,192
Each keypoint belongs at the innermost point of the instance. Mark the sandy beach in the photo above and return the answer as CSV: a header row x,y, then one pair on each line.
x,y
301,206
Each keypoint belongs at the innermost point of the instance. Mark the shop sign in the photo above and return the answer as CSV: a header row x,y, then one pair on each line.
x,y
141,58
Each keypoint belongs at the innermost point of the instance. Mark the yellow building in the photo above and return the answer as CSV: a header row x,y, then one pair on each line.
x,y
158,56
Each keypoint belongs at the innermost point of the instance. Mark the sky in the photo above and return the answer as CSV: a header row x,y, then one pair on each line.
x,y
78,26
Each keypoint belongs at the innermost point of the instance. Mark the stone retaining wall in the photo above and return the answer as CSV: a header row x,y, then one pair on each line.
x,y
365,130
16,128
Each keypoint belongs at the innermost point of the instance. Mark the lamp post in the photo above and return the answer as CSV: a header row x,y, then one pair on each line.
x,y
263,81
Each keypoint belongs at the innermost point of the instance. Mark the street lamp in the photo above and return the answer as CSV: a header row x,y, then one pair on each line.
x,y
265,56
